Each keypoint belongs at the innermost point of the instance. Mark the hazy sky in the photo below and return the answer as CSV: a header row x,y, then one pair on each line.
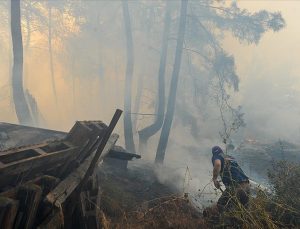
x,y
270,74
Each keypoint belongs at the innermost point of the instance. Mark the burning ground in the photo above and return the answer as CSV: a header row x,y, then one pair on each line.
x,y
136,199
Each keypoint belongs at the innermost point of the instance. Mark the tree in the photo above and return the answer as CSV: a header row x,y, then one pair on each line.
x,y
51,53
163,141
21,107
214,69
152,129
128,133
214,75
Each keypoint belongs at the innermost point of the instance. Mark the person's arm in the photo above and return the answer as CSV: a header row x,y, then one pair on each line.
x,y
216,172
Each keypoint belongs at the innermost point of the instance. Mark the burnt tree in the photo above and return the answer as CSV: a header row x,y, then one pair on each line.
x,y
163,141
21,106
128,133
152,129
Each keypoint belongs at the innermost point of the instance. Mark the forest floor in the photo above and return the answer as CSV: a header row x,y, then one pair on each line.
x,y
136,199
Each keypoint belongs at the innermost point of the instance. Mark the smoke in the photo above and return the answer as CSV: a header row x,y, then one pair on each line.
x,y
269,73
89,66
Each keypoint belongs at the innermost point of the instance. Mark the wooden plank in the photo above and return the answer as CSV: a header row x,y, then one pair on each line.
x,y
89,204
89,149
47,183
55,220
23,148
102,146
82,204
40,151
8,212
14,172
76,133
92,213
119,152
91,209
70,164
91,132
17,167
66,187
85,130
11,193
29,197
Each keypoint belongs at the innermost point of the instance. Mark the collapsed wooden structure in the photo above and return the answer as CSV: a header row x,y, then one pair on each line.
x,y
54,184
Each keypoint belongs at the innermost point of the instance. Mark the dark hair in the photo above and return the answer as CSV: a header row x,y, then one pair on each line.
x,y
216,150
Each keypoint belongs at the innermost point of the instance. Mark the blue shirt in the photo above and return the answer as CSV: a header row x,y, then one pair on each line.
x,y
231,173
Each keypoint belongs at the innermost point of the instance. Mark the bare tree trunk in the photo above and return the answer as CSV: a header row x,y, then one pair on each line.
x,y
21,107
51,54
33,108
128,134
163,141
149,131
138,97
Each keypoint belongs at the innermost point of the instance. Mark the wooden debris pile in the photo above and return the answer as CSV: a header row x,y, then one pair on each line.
x,y
54,184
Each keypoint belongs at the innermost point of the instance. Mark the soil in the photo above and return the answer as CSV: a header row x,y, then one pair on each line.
x,y
136,199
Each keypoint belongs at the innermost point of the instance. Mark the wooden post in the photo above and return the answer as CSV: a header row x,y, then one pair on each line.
x,y
29,198
8,212
67,186
104,140
54,221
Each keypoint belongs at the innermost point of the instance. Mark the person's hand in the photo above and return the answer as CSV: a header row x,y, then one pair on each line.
x,y
217,184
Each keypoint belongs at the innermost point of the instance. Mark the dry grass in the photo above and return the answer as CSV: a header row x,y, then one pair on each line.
x,y
129,201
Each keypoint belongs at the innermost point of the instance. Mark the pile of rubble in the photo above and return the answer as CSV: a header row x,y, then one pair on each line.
x,y
54,184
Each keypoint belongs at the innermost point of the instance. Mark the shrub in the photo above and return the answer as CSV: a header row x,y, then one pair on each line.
x,y
285,179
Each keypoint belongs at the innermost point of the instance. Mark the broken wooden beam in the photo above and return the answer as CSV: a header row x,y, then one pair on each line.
x,y
89,205
118,157
120,153
24,163
66,187
102,146
8,212
29,197
55,220
85,130
35,199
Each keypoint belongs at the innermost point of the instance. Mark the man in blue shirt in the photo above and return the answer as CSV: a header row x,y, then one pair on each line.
x,y
236,182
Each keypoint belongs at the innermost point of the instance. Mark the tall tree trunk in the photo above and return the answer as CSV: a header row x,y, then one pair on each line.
x,y
51,54
128,134
33,108
21,107
149,131
138,97
163,141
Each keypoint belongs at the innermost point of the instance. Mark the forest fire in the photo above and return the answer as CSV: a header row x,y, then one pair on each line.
x,y
209,136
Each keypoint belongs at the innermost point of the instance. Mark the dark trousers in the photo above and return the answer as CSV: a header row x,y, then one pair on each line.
x,y
233,195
